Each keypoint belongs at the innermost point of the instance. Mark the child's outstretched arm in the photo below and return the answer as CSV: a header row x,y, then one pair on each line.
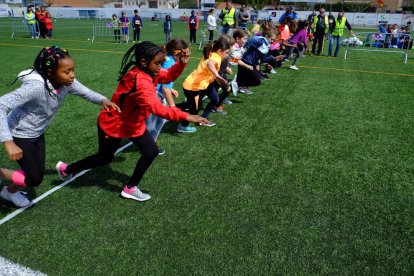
x,y
245,65
211,64
82,91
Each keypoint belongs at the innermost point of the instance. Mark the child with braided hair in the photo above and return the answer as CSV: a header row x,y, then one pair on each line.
x,y
26,112
136,96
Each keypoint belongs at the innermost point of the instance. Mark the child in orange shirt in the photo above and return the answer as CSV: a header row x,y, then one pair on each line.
x,y
201,82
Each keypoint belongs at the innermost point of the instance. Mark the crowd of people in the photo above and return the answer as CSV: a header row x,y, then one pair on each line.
x,y
39,21
136,110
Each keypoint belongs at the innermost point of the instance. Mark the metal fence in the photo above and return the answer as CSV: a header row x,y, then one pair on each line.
x,y
204,33
105,29
399,43
21,26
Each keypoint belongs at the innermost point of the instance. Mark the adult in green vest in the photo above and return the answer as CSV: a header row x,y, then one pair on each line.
x,y
228,17
337,30
320,29
31,22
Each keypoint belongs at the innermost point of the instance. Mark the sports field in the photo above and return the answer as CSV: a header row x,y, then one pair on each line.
x,y
312,174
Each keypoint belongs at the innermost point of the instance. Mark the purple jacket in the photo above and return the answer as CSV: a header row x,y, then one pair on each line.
x,y
300,37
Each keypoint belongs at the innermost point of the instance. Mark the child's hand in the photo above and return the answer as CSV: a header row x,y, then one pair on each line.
x,y
221,80
185,56
229,71
250,67
13,151
196,119
174,93
107,105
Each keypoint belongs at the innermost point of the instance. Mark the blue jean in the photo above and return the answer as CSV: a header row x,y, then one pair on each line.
x,y
227,30
167,36
338,44
32,30
155,123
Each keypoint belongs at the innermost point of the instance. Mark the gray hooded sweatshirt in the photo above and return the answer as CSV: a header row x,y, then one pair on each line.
x,y
27,111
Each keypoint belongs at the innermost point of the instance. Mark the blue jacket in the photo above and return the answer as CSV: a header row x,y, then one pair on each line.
x,y
137,22
166,29
257,51
293,15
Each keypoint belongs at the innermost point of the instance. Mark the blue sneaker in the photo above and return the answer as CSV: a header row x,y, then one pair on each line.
x,y
187,129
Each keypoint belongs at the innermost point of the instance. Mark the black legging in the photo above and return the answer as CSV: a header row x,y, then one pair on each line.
x,y
192,103
107,148
246,77
33,160
137,32
193,36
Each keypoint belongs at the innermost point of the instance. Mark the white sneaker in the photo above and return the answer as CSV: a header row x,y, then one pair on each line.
x,y
273,71
293,67
134,193
18,198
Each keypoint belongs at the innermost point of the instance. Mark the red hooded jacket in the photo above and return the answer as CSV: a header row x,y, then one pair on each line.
x,y
137,106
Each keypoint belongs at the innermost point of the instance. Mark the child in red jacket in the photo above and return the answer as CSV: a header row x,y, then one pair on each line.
x,y
48,25
137,99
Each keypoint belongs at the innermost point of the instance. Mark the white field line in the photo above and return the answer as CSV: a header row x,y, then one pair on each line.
x,y
8,268
51,191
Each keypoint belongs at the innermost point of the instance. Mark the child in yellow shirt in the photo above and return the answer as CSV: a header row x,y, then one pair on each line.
x,y
200,82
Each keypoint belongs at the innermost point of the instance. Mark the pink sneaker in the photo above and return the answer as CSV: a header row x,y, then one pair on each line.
x,y
134,193
60,168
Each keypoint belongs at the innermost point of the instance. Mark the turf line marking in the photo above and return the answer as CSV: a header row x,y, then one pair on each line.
x,y
9,268
71,49
358,71
51,191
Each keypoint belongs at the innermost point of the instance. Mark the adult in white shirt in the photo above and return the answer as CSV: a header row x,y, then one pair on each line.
x,y
212,25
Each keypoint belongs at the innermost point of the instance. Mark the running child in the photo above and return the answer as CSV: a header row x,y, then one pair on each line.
x,y
139,75
201,82
240,37
257,52
26,112
175,48
299,40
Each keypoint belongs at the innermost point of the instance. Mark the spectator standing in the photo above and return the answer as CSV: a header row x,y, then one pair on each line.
x,y
290,14
193,27
337,31
167,28
31,22
125,27
137,25
320,29
116,25
228,17
243,17
212,25
48,25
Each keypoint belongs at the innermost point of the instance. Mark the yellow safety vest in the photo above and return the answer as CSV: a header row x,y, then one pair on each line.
x,y
229,17
339,27
315,22
30,17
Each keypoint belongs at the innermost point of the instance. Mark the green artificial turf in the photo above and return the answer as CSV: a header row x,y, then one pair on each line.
x,y
312,174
